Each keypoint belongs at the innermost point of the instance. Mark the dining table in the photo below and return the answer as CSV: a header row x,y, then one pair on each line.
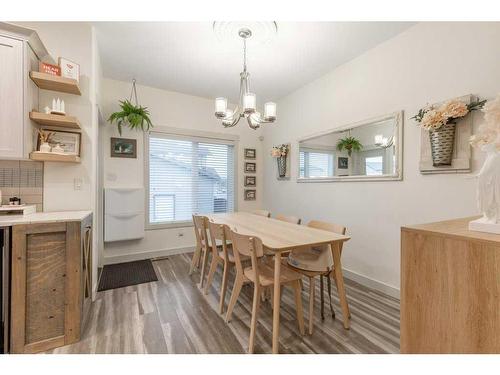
x,y
279,237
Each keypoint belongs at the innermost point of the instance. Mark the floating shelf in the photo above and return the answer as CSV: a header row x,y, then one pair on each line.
x,y
49,156
55,120
55,83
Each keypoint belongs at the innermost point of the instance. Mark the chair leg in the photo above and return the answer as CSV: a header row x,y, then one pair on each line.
x,y
298,306
255,312
311,305
238,283
322,297
337,286
203,266
225,275
211,272
329,284
196,260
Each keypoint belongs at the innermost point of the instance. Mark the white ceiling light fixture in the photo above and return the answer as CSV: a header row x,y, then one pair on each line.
x,y
247,106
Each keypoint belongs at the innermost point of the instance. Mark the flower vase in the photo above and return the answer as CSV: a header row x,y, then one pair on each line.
x,y
281,160
442,142
45,147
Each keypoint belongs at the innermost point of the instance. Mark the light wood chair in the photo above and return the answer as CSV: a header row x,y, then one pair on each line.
x,y
289,219
262,213
261,275
221,254
202,246
310,265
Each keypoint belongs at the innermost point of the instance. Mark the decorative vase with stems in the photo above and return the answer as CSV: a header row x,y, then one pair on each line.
x,y
280,153
441,124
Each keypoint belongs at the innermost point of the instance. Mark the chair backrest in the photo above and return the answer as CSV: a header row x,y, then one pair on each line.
x,y
200,230
249,246
217,232
289,219
262,213
330,227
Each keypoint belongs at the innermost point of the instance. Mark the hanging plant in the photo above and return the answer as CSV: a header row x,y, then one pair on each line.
x,y
349,144
135,116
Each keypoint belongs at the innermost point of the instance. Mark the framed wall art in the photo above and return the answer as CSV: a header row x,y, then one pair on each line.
x,y
250,167
250,194
123,148
250,153
250,181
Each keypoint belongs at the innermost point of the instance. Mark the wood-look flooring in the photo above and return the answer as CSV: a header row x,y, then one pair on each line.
x,y
173,316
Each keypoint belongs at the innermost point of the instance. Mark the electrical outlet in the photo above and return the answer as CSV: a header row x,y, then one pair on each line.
x,y
78,183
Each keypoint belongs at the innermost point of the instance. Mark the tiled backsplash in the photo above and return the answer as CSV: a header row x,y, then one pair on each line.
x,y
22,179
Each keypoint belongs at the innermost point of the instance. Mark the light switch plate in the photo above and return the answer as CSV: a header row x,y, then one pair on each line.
x,y
77,183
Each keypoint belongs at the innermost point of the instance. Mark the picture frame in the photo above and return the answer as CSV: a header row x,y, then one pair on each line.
x,y
250,153
123,148
69,141
250,167
251,181
69,69
47,68
342,162
250,194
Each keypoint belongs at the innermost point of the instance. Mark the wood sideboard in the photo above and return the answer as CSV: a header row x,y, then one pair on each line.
x,y
450,289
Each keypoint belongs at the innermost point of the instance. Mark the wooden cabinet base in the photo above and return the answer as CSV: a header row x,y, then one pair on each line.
x,y
450,289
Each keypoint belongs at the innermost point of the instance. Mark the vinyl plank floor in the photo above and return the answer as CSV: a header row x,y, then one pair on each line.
x,y
172,315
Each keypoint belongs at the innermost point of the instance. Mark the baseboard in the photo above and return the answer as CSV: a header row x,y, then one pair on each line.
x,y
146,255
372,283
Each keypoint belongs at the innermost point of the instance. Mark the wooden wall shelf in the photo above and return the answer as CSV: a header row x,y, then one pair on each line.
x,y
48,156
55,83
55,120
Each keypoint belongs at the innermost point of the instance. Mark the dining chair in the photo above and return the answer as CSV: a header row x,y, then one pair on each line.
x,y
202,246
261,275
316,261
262,213
221,254
289,219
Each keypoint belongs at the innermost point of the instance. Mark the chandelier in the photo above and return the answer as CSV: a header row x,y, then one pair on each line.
x,y
247,105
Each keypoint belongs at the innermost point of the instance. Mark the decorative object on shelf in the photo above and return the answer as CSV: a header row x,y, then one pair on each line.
x,y
15,201
343,162
280,153
58,107
247,105
250,167
250,181
250,153
46,110
123,148
133,116
69,69
68,142
250,194
349,144
47,68
488,189
441,123
43,140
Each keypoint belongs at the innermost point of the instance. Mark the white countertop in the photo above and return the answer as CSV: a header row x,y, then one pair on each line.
x,y
43,217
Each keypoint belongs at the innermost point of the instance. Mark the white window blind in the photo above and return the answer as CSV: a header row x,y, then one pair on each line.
x,y
189,175
316,163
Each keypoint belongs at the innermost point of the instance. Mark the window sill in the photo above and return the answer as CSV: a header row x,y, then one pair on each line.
x,y
180,224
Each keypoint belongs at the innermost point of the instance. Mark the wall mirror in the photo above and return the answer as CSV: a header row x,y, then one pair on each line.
x,y
369,150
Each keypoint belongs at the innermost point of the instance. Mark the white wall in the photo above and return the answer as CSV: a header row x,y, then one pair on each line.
x,y
168,109
428,63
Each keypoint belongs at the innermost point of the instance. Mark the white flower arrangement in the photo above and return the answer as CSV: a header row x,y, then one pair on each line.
x,y
489,132
280,151
431,118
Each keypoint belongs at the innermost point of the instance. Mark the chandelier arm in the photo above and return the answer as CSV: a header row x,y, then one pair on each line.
x,y
254,127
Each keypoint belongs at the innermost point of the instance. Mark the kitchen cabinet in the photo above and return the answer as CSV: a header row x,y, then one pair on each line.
x,y
20,52
51,284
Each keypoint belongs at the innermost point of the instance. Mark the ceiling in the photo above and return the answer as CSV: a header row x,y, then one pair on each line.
x,y
188,57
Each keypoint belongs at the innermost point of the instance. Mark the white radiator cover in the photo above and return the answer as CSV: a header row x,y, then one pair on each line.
x,y
123,214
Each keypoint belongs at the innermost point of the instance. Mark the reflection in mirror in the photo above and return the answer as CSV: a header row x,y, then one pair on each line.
x,y
365,150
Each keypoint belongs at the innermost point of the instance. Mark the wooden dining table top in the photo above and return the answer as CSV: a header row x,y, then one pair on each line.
x,y
276,235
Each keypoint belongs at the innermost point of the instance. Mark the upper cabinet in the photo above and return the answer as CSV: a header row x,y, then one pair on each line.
x,y
20,52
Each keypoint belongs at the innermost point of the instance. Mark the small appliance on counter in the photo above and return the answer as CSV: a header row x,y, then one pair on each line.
x,y
17,209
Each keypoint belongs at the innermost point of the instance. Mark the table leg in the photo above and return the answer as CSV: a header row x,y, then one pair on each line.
x,y
339,278
276,303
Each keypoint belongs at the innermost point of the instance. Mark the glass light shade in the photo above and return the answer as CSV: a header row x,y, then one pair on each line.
x,y
229,117
379,139
249,102
270,111
220,107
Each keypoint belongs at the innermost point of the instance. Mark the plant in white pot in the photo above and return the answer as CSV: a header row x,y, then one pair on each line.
x,y
488,190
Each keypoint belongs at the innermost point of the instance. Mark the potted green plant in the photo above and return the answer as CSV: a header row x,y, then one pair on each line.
x,y
135,116
349,144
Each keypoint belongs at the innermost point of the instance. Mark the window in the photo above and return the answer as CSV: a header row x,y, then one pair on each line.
x,y
374,165
189,175
316,164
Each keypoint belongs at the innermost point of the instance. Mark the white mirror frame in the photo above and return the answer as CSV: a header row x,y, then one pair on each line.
x,y
397,176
